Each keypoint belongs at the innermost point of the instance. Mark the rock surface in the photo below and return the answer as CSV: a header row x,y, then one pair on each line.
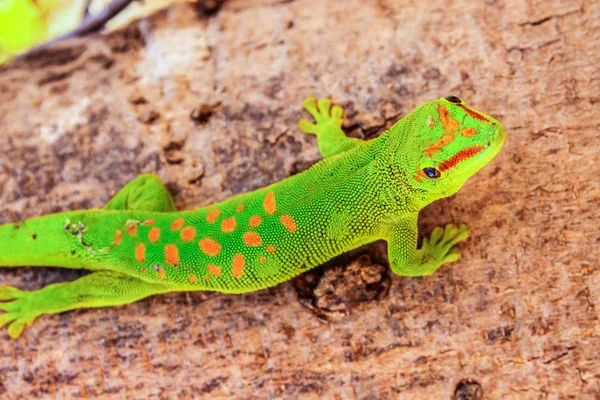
x,y
209,100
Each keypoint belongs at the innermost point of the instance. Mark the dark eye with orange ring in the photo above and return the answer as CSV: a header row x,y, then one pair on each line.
x,y
432,172
453,99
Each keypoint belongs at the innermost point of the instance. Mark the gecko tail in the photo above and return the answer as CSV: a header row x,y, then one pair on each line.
x,y
41,241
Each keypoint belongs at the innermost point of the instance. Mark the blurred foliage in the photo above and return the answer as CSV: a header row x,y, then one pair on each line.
x,y
25,23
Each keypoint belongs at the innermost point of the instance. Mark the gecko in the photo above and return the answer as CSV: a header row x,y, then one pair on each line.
x,y
139,245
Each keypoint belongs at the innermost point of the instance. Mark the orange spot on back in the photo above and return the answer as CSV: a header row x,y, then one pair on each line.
x,y
209,247
192,278
132,230
150,221
188,234
228,224
162,273
154,234
270,249
255,221
262,259
288,222
462,155
252,239
269,203
468,132
213,270
439,144
177,224
118,237
238,265
140,252
171,254
212,216
240,208
449,124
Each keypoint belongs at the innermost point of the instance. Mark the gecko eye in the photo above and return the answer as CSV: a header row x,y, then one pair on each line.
x,y
454,99
432,172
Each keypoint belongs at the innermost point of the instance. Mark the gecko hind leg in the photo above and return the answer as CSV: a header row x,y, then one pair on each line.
x,y
146,192
98,289
331,139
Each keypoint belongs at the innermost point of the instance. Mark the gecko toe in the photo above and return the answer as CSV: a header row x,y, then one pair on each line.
x,y
307,127
436,235
337,112
310,104
9,293
324,106
453,255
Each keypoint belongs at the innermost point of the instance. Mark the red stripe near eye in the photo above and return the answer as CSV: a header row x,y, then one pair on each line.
x,y
462,155
473,114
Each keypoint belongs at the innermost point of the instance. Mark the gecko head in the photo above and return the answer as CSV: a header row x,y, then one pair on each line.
x,y
448,142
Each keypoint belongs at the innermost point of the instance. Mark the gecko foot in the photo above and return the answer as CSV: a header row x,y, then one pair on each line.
x,y
17,310
325,116
441,245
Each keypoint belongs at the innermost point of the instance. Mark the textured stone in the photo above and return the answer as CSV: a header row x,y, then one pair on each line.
x,y
517,317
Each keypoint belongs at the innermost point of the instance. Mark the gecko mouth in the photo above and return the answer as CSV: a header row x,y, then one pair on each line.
x,y
497,139
500,135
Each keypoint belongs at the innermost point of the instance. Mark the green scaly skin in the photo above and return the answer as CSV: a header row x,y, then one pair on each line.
x,y
362,191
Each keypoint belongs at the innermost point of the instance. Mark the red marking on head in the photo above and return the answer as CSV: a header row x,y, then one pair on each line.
x,y
171,254
473,113
212,216
240,208
188,234
468,132
269,203
449,124
192,278
177,224
150,221
132,230
140,252
154,234
271,249
213,270
462,155
118,237
288,222
252,239
439,144
238,265
228,224
209,247
417,178
255,221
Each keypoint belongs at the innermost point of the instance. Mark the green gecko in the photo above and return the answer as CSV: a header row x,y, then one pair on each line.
x,y
140,245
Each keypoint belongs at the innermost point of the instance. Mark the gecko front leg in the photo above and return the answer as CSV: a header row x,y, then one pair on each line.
x,y
439,249
331,139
